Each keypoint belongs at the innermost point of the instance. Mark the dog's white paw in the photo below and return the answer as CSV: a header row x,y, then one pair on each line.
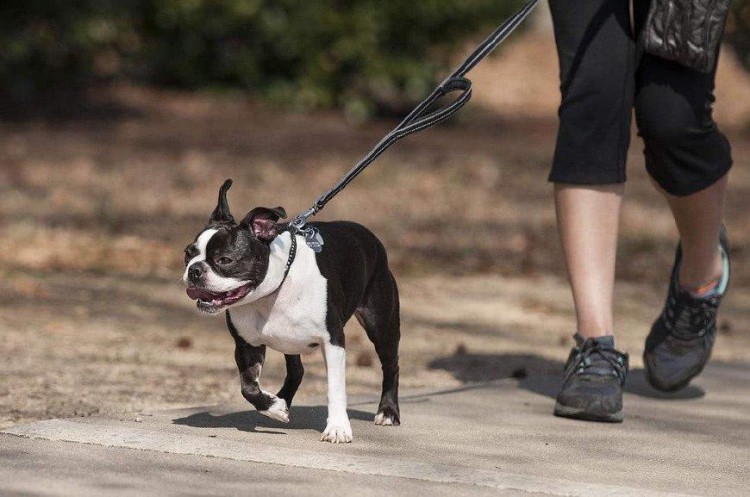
x,y
387,417
383,420
278,410
338,432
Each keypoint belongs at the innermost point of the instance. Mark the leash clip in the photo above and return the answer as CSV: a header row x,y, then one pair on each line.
x,y
313,239
299,222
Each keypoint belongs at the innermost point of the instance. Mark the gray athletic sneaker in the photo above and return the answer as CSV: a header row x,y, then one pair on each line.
x,y
682,337
594,376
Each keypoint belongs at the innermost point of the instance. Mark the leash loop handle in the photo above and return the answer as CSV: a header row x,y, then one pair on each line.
x,y
414,122
419,118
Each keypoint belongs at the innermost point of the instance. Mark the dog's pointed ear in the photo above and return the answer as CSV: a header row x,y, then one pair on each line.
x,y
221,214
262,221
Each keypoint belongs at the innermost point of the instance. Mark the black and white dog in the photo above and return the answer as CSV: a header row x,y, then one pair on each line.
x,y
279,293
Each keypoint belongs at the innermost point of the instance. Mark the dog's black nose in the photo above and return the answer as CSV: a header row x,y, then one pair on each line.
x,y
195,273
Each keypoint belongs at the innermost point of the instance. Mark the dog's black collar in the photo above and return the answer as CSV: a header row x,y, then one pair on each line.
x,y
292,255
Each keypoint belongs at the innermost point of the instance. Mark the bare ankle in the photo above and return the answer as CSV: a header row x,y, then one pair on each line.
x,y
594,332
695,275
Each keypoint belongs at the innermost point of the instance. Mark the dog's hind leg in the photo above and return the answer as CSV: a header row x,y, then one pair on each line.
x,y
379,316
294,373
249,361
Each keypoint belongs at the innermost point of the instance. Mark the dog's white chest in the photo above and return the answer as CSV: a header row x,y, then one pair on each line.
x,y
292,320
285,331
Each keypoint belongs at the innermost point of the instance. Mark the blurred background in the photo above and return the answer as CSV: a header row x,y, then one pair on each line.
x,y
120,119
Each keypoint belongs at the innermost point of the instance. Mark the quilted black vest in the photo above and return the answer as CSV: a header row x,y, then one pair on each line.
x,y
686,31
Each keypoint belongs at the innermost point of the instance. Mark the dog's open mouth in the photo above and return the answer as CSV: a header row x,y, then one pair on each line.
x,y
212,302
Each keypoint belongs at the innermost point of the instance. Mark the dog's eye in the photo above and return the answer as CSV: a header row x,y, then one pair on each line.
x,y
187,256
224,261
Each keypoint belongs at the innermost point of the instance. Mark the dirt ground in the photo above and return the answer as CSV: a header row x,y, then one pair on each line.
x,y
95,212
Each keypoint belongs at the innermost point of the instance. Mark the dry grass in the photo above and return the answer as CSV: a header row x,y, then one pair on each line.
x,y
94,213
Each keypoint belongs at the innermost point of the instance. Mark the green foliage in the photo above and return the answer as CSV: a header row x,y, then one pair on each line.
x,y
50,46
362,55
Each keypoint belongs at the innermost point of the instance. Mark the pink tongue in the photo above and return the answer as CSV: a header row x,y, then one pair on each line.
x,y
198,293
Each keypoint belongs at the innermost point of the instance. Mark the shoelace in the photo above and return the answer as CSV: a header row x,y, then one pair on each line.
x,y
583,361
687,317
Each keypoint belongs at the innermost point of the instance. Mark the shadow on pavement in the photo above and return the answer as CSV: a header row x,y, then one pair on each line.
x,y
302,418
539,374
534,373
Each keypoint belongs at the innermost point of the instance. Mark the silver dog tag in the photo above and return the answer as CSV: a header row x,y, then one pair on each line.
x,y
314,240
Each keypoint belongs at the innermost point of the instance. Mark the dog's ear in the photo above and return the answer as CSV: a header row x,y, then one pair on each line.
x,y
262,221
221,214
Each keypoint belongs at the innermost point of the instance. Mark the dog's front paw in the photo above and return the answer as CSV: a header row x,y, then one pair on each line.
x,y
278,410
338,432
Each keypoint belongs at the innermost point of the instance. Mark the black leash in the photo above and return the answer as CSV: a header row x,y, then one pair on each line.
x,y
417,120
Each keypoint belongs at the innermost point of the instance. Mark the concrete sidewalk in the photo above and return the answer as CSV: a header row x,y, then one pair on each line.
x,y
495,438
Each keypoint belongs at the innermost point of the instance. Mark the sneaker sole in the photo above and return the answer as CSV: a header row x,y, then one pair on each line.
x,y
657,384
564,411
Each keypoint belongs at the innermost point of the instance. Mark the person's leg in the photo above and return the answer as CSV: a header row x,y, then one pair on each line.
x,y
688,158
686,154
596,50
588,220
699,217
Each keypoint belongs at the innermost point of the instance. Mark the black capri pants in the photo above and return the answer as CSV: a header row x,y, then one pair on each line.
x,y
602,77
